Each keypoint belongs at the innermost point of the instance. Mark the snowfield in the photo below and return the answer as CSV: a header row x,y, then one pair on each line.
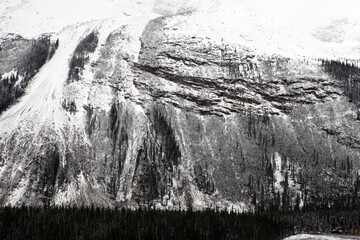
x,y
30,18
299,26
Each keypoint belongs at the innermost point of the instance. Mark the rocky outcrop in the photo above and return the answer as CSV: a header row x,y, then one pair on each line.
x,y
218,76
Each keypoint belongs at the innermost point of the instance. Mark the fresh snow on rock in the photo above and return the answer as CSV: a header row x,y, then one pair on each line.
x,y
8,74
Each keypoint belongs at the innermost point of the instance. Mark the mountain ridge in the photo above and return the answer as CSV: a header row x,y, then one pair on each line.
x,y
183,111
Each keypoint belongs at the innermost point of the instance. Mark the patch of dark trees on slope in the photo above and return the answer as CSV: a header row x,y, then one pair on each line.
x,y
13,86
81,56
348,74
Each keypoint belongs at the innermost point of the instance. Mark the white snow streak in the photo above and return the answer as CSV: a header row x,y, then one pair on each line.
x,y
320,237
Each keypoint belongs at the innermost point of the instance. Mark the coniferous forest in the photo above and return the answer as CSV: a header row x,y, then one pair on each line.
x,y
101,223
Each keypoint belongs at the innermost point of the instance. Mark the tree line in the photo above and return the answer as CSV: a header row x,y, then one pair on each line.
x,y
105,223
114,223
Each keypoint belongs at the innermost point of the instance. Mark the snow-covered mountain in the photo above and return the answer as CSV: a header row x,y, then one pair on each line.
x,y
178,104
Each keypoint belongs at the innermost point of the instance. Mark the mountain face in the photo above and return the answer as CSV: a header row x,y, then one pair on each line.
x,y
184,111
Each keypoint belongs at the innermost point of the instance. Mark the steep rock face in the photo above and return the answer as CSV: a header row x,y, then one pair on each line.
x,y
178,120
218,76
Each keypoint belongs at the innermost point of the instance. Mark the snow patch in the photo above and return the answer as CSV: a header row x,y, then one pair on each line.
x,y
319,237
278,173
